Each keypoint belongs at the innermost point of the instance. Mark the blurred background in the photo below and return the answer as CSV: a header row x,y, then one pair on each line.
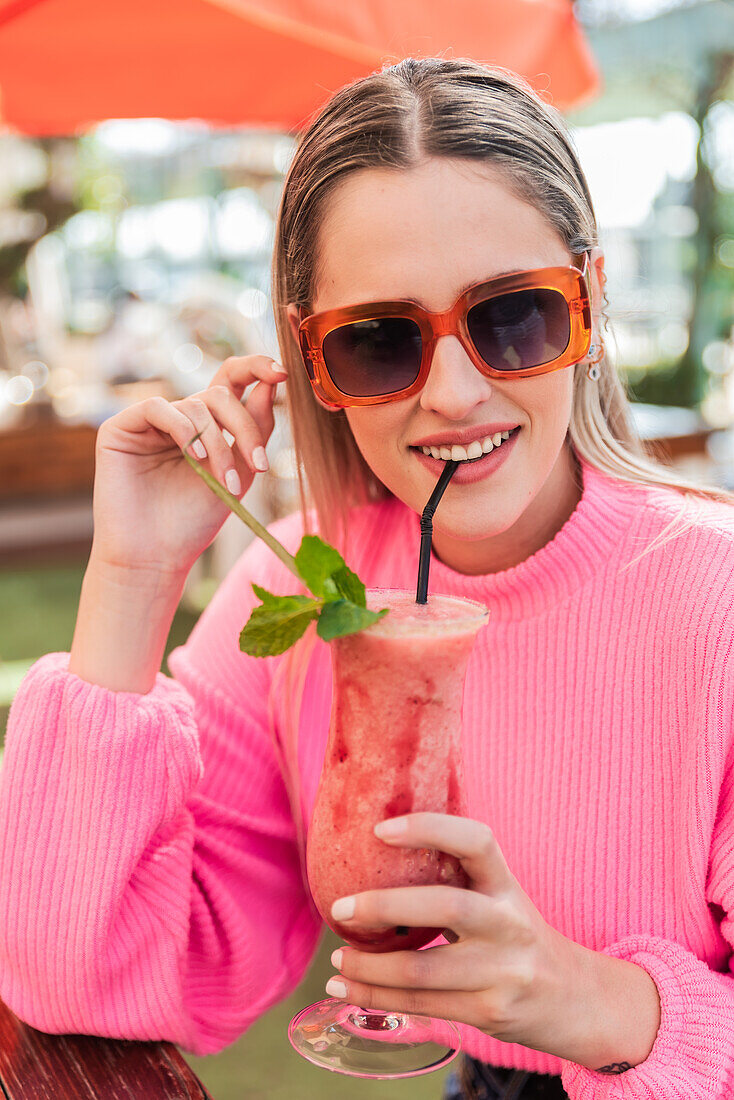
x,y
142,156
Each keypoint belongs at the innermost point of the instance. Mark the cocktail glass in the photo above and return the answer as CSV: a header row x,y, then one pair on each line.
x,y
394,748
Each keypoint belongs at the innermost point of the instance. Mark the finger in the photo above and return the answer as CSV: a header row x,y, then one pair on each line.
x,y
230,414
159,414
259,405
460,967
220,455
470,841
466,912
459,1007
239,371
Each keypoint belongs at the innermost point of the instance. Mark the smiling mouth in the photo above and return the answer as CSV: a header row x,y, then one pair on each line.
x,y
480,448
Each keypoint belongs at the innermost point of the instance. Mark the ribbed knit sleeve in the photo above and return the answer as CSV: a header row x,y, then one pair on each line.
x,y
150,884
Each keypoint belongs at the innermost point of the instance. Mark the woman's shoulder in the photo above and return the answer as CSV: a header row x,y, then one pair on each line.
x,y
658,505
703,519
688,541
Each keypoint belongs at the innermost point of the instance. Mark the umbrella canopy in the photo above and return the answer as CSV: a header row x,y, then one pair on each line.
x,y
66,64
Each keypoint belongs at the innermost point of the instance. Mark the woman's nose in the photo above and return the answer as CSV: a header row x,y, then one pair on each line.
x,y
454,385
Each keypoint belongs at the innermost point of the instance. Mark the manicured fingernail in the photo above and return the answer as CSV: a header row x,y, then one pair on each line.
x,y
198,448
335,988
394,826
336,958
233,483
279,369
343,909
260,459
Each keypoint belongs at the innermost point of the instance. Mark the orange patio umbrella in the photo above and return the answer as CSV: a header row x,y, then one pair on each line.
x,y
66,64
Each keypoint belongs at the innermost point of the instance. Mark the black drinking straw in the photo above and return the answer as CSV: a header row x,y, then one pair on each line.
x,y
427,530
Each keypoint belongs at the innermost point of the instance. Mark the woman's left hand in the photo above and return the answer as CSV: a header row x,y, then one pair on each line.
x,y
506,971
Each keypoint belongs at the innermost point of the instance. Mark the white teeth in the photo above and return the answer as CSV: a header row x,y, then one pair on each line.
x,y
463,454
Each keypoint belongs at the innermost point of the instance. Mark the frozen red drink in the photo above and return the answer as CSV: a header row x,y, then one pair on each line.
x,y
394,748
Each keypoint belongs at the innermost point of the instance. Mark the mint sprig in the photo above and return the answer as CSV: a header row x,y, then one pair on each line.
x,y
277,623
337,601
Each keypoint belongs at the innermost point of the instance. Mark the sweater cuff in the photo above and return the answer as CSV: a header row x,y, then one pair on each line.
x,y
693,1049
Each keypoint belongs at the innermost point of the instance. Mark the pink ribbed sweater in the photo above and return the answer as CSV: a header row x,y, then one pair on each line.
x,y
149,879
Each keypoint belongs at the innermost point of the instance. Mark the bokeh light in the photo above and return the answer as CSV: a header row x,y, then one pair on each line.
x,y
188,358
18,390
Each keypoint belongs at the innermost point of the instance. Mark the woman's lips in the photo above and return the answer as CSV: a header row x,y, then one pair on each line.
x,y
469,472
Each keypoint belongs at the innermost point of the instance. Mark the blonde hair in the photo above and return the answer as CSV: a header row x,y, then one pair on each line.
x,y
397,118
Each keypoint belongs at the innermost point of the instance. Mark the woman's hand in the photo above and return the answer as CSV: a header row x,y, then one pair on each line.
x,y
506,971
152,512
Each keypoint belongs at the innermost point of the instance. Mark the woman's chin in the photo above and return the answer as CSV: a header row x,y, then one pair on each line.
x,y
463,525
460,520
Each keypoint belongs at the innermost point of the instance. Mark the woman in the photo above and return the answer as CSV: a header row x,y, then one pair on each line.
x,y
150,872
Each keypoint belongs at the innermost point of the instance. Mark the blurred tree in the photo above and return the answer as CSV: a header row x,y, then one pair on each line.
x,y
54,201
674,55
709,211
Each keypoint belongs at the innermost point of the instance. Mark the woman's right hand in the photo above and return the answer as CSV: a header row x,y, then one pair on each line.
x,y
152,512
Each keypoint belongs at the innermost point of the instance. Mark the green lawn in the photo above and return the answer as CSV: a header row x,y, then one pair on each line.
x,y
38,614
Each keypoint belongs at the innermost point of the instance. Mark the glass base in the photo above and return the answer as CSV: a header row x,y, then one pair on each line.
x,y
362,1043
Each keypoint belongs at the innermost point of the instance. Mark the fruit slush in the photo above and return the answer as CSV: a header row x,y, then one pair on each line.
x,y
394,748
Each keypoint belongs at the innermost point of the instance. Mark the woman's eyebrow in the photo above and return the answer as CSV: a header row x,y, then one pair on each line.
x,y
462,290
490,279
375,298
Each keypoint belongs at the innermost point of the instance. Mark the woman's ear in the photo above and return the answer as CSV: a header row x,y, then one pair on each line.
x,y
294,321
597,283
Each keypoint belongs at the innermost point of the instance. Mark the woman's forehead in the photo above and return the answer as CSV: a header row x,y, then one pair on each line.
x,y
425,234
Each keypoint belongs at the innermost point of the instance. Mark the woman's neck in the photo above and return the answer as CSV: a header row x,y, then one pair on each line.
x,y
537,525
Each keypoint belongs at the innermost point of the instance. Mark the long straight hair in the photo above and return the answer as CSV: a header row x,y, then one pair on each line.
x,y
397,118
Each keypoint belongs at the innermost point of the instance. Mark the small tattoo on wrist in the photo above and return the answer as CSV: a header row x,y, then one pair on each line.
x,y
615,1067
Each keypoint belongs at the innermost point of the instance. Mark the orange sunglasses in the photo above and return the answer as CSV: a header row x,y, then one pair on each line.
x,y
518,325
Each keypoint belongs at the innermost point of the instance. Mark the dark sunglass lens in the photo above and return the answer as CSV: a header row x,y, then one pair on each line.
x,y
522,329
373,357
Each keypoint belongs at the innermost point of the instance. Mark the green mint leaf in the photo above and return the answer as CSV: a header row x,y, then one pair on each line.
x,y
269,598
277,623
349,586
316,561
324,572
342,617
331,592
